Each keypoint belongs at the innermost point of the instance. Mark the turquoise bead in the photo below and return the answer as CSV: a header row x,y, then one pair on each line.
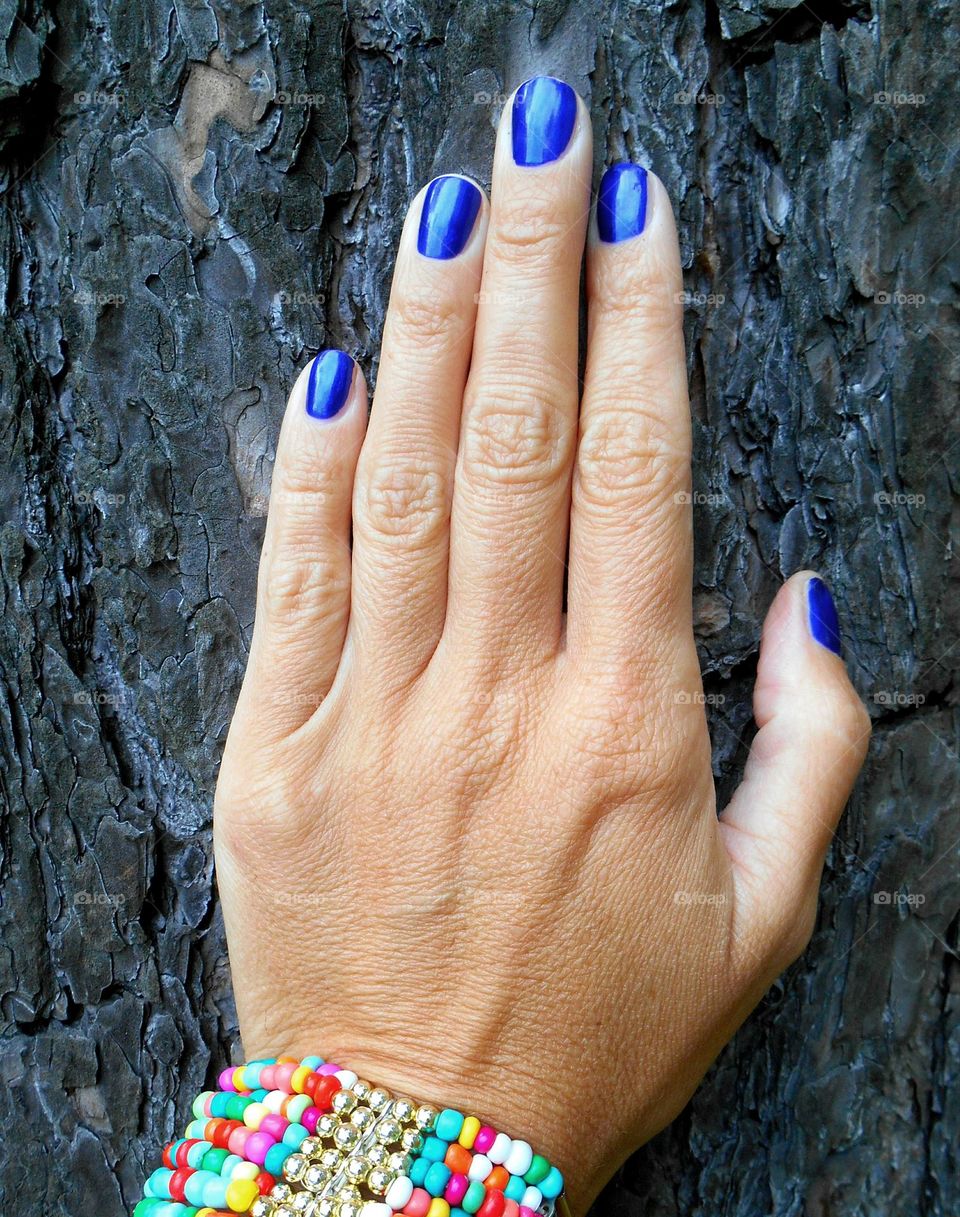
x,y
474,1197
459,1213
193,1188
552,1185
215,1192
273,1163
198,1103
515,1189
295,1135
434,1150
196,1154
437,1178
418,1172
448,1125
219,1104
251,1076
312,1062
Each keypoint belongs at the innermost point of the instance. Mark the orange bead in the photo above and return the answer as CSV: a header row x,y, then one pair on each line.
x,y
458,1159
499,1177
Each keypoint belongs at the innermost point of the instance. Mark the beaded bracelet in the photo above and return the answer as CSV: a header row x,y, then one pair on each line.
x,y
289,1138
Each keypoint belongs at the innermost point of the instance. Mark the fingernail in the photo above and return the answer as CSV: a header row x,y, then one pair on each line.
x,y
450,210
544,114
622,202
822,616
328,385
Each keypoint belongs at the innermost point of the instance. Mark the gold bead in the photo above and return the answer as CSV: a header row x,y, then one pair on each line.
x,y
301,1202
362,1118
426,1117
356,1169
400,1164
377,1155
403,1110
310,1145
281,1192
348,1208
411,1140
327,1125
330,1158
287,1210
294,1167
388,1131
262,1207
379,1180
343,1102
379,1098
316,1177
346,1136
362,1089
326,1207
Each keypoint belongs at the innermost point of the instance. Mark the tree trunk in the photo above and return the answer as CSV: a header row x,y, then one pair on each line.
x,y
197,197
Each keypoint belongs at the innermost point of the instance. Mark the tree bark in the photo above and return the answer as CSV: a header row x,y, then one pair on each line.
x,y
197,197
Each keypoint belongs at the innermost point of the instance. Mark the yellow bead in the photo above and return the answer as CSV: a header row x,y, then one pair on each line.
x,y
253,1115
241,1193
299,1079
206,1213
438,1207
245,1170
238,1082
468,1134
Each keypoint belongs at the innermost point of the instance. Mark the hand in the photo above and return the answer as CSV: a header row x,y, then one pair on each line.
x,y
467,843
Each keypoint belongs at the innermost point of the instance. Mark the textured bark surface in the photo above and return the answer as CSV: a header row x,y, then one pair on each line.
x,y
196,197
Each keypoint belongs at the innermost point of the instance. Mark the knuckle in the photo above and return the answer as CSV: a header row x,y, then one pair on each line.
x,y
844,722
529,228
402,501
296,586
625,454
520,440
423,315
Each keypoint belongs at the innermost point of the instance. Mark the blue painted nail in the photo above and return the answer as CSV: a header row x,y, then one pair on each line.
x,y
450,210
328,385
622,202
544,115
822,615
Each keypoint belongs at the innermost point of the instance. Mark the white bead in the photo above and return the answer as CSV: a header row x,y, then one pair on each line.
x,y
519,1158
498,1151
274,1100
399,1193
346,1078
532,1198
375,1208
480,1167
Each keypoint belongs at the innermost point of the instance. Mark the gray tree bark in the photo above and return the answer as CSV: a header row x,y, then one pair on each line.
x,y
197,197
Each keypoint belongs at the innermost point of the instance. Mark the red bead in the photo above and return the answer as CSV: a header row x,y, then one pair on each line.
x,y
178,1181
265,1182
310,1085
493,1204
327,1087
221,1136
167,1159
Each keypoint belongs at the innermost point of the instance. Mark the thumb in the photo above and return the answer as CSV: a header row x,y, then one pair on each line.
x,y
812,740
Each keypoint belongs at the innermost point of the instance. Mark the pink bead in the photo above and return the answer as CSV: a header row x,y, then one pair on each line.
x,y
419,1203
484,1139
328,1070
237,1141
274,1126
456,1189
207,1104
282,1075
258,1143
225,1081
309,1119
510,1207
525,1212
266,1077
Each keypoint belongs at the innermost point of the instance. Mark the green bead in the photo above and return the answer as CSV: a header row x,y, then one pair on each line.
x,y
474,1197
147,1205
214,1158
434,1150
515,1188
236,1106
448,1125
198,1103
539,1169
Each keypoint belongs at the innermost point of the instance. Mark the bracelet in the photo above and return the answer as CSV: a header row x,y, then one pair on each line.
x,y
305,1138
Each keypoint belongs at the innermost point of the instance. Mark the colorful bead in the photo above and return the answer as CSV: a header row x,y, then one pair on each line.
x,y
399,1192
539,1169
458,1158
473,1197
436,1179
515,1188
498,1178
456,1188
241,1193
552,1185
493,1204
498,1151
468,1134
438,1208
519,1158
449,1124
480,1167
510,1208
532,1198
419,1203
484,1139
434,1149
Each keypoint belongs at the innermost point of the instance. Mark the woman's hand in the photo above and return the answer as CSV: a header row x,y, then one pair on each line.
x,y
467,842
